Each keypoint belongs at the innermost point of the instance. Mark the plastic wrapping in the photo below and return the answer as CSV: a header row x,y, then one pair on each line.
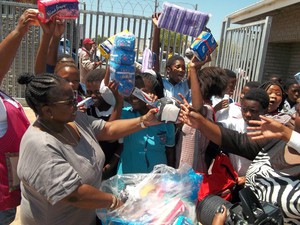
x,y
204,45
181,20
106,46
164,196
123,57
62,9
124,75
122,68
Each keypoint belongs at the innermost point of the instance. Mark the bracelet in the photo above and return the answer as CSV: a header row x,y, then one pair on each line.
x,y
142,122
117,155
114,202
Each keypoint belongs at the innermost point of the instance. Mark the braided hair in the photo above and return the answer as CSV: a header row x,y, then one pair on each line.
x,y
38,88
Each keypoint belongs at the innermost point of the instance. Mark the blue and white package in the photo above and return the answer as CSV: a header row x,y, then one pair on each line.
x,y
125,41
204,45
121,56
125,77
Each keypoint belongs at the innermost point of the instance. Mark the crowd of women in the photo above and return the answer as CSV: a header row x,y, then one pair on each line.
x,y
67,151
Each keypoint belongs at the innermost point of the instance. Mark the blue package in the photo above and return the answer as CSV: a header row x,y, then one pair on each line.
x,y
121,56
125,77
204,45
125,41
183,220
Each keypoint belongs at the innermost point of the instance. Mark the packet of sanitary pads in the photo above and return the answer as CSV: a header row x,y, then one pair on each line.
x,y
204,45
62,9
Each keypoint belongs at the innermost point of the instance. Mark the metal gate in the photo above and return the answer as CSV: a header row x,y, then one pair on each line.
x,y
243,50
97,22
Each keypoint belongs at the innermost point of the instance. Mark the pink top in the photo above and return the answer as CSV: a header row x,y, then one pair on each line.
x,y
17,124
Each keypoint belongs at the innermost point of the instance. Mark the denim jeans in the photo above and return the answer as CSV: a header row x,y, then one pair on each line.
x,y
7,216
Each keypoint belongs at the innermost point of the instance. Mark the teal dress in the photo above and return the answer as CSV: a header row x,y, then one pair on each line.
x,y
146,148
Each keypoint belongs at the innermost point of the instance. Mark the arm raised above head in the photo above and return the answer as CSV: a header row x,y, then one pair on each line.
x,y
9,46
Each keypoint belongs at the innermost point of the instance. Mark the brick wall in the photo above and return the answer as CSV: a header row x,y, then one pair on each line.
x,y
285,25
283,60
283,54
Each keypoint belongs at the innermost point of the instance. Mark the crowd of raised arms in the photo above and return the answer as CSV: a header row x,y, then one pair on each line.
x,y
67,152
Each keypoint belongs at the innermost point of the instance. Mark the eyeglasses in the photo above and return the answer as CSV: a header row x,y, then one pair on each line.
x,y
70,102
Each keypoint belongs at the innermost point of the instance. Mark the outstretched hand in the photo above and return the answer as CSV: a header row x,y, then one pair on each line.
x,y
187,114
266,128
150,118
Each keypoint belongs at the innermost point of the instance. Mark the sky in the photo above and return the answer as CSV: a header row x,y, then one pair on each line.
x,y
218,9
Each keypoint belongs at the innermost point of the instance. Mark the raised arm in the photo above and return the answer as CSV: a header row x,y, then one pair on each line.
x,y
41,57
54,43
116,113
197,99
9,46
155,41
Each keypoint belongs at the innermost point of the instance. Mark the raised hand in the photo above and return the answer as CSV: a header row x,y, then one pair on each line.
x,y
49,27
28,18
155,17
267,128
59,28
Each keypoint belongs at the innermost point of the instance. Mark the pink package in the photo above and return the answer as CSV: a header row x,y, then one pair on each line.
x,y
62,9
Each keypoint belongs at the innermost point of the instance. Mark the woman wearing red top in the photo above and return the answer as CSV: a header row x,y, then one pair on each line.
x,y
13,124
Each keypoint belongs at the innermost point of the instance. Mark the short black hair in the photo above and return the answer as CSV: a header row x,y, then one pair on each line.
x,y
230,73
95,75
156,82
172,60
62,64
288,83
38,88
252,84
64,55
213,81
259,95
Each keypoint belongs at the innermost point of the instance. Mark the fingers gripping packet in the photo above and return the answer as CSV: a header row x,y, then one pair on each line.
x,y
168,110
125,77
204,45
62,9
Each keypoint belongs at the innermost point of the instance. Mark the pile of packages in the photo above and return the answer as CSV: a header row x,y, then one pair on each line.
x,y
164,196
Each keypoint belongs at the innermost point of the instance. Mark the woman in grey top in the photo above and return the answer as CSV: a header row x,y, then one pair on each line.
x,y
60,164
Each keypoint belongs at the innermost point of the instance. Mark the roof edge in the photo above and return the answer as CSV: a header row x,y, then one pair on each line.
x,y
259,8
